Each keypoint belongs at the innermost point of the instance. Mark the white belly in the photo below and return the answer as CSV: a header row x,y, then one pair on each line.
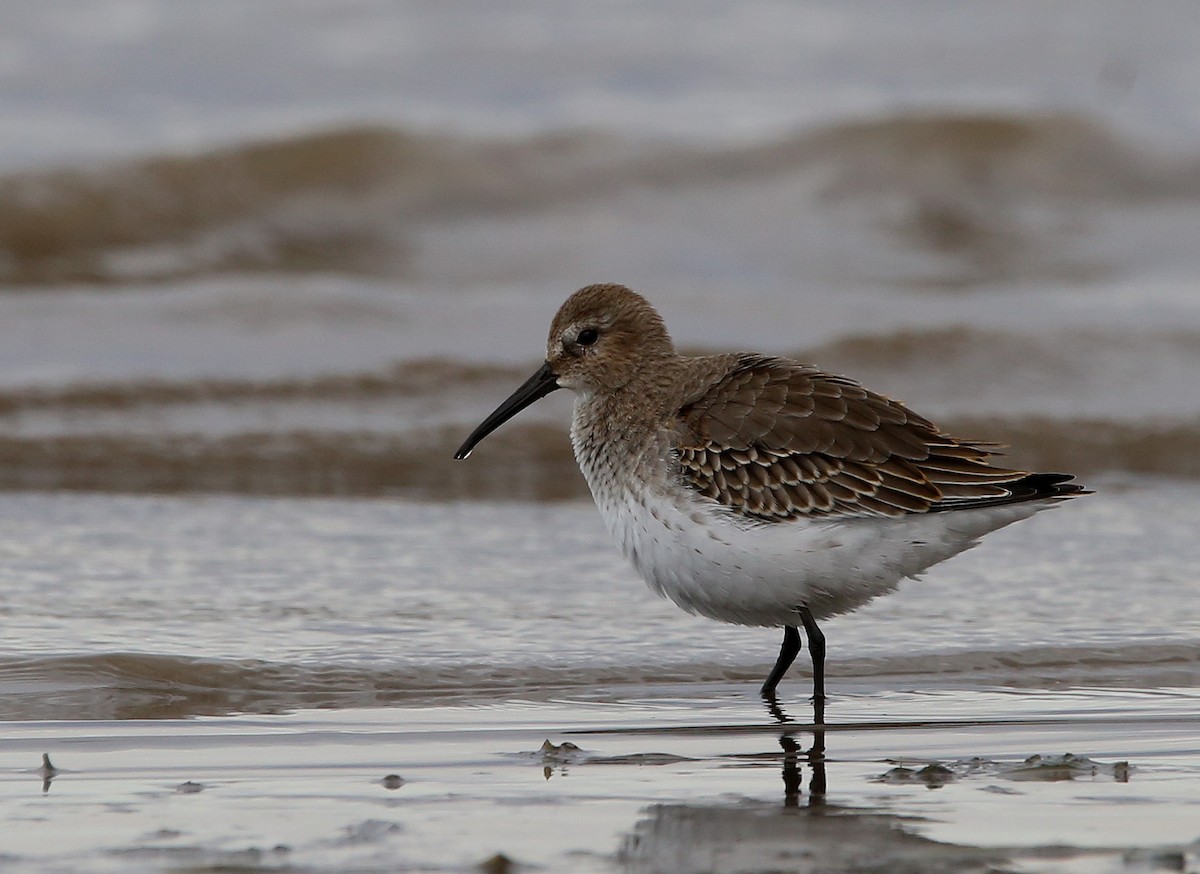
x,y
712,563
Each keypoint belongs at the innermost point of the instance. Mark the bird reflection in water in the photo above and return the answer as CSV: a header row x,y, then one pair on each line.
x,y
794,755
47,772
753,835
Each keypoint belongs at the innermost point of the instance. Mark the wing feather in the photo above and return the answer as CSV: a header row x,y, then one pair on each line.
x,y
774,439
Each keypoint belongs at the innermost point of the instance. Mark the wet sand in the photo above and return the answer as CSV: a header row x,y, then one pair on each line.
x,y
698,777
227,684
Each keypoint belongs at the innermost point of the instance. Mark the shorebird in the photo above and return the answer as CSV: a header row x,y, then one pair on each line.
x,y
759,490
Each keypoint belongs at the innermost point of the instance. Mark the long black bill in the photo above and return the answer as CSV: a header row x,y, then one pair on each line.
x,y
535,388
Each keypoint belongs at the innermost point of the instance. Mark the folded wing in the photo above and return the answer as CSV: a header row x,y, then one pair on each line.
x,y
775,439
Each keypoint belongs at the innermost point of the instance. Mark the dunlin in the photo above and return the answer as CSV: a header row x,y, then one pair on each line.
x,y
759,490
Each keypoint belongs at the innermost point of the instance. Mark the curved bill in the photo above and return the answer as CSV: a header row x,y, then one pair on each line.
x,y
535,388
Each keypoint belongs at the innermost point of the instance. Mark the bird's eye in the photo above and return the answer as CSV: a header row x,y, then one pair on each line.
x,y
587,337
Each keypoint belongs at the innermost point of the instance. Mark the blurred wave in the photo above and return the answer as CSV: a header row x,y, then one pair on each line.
x,y
128,685
1018,204
984,187
392,432
523,462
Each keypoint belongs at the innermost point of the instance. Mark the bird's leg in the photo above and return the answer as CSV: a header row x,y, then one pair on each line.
x,y
787,655
816,648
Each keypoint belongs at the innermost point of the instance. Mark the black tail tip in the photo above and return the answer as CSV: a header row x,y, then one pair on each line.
x,y
1050,485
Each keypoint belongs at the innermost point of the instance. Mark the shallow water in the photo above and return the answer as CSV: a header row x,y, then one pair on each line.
x,y
229,682
175,606
686,778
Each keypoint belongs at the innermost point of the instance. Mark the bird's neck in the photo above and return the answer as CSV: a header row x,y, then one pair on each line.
x,y
617,435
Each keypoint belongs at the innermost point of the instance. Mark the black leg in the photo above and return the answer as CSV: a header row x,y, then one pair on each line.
x,y
787,655
816,648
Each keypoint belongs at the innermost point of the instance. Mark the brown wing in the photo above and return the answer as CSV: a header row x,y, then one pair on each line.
x,y
774,439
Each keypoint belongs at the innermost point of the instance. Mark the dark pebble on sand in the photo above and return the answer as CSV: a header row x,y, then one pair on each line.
x,y
498,864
